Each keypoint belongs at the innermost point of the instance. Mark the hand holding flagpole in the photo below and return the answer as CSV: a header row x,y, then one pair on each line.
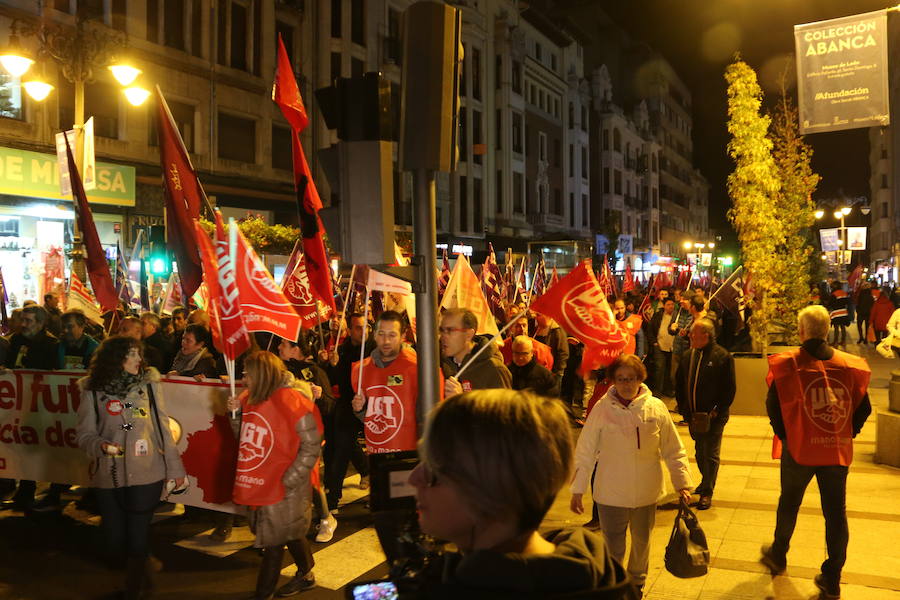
x,y
483,347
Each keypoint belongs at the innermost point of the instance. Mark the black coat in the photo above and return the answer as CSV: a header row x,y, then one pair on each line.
x,y
558,341
534,377
715,383
306,370
42,351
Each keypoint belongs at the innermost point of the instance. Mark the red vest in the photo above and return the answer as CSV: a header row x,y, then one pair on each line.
x,y
542,352
631,324
818,399
268,445
391,393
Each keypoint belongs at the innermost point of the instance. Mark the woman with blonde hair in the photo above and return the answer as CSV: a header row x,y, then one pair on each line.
x,y
625,436
279,443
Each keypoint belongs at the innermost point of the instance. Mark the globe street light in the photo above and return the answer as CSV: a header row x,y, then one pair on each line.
x,y
79,55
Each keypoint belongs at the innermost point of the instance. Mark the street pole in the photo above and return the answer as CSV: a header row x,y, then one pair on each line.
x,y
424,242
77,265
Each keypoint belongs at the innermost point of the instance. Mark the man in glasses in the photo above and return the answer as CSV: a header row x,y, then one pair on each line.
x,y
458,345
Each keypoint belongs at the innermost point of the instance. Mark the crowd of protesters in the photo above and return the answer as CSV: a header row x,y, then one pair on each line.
x,y
678,360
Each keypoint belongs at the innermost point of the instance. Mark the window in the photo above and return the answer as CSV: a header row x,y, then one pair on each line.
x,y
571,209
617,181
557,153
173,24
498,144
286,31
498,71
336,18
476,135
196,28
571,115
538,52
884,180
653,161
281,148
571,160
394,49
617,140
553,61
605,180
884,152
221,28
884,210
517,77
542,145
462,72
183,115
584,210
463,136
335,66
11,98
527,196
584,118
119,15
62,5
605,137
477,206
518,207
517,132
101,100
358,22
463,204
152,21
584,162
499,194
527,141
239,36
476,73
237,138
357,67
557,202
655,194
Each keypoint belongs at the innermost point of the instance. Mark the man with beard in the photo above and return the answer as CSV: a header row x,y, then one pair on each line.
x,y
76,347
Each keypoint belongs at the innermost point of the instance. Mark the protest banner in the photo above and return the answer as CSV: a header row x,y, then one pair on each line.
x,y
39,414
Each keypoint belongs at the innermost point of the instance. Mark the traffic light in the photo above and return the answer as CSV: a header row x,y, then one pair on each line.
x,y
160,263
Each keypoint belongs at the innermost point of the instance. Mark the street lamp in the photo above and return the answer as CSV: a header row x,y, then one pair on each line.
x,y
79,55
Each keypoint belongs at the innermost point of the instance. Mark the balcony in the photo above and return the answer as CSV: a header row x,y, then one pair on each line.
x,y
544,219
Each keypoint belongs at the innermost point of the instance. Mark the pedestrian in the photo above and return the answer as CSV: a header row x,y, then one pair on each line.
x,y
839,309
153,335
75,347
817,403
661,343
527,374
548,332
542,352
54,314
704,390
280,441
864,302
487,494
633,325
347,427
124,428
626,435
458,345
881,313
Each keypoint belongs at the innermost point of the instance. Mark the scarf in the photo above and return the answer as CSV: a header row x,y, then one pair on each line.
x,y
121,385
184,363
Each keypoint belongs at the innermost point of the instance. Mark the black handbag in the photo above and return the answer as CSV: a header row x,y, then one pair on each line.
x,y
687,553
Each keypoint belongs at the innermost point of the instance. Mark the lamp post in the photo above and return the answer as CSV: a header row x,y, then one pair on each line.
x,y
79,52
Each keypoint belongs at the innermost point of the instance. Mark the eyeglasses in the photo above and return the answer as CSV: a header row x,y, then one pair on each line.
x,y
626,379
449,330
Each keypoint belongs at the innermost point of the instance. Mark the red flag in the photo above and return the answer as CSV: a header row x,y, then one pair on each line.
x,y
297,290
628,283
606,281
853,278
539,284
646,308
286,93
263,304
183,196
444,279
491,283
235,337
662,281
95,257
554,278
579,305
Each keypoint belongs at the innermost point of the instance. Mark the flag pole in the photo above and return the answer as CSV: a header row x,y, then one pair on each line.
x,y
344,308
480,350
718,289
362,349
232,256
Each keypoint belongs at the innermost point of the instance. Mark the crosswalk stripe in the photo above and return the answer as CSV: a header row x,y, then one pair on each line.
x,y
241,537
341,562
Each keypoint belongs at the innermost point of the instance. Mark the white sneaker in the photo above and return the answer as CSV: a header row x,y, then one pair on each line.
x,y
326,529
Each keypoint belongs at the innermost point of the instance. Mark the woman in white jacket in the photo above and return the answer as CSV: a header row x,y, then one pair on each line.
x,y
625,435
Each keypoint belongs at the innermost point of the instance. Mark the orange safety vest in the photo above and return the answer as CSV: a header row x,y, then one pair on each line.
x,y
631,324
818,399
390,423
268,445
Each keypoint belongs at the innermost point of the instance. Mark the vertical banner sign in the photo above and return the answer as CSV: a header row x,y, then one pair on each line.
x,y
856,238
842,73
89,162
65,184
829,239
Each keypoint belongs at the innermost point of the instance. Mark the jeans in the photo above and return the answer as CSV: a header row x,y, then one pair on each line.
x,y
345,449
707,446
662,366
127,512
832,480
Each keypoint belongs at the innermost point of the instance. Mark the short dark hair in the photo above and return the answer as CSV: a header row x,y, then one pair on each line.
x,y
392,315
669,299
180,310
39,312
201,334
698,303
301,342
74,315
468,318
49,296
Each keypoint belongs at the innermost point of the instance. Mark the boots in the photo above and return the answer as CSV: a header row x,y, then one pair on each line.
x,y
269,572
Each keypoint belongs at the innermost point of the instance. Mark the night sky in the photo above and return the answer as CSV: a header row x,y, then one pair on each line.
x,y
699,37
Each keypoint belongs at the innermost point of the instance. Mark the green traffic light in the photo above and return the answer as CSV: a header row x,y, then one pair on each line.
x,y
158,266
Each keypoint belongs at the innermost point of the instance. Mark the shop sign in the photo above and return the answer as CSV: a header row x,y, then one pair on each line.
x,y
36,175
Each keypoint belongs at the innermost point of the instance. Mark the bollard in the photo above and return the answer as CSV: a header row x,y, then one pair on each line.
x,y
894,392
